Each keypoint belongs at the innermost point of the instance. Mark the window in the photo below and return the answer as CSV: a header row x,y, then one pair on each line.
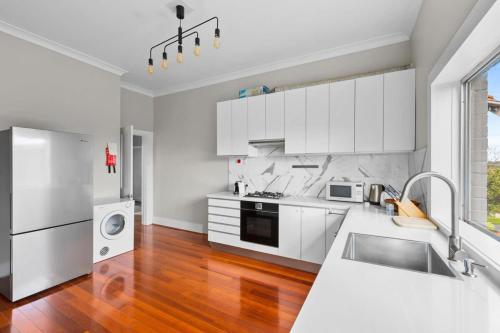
x,y
481,138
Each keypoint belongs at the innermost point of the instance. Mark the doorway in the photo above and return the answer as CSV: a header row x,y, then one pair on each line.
x,y
137,167
137,153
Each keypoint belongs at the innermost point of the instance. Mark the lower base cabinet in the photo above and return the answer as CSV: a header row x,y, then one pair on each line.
x,y
313,235
307,233
290,231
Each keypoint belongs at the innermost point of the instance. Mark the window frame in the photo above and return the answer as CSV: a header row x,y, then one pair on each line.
x,y
465,142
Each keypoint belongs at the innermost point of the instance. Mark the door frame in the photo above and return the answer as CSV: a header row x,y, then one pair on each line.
x,y
146,174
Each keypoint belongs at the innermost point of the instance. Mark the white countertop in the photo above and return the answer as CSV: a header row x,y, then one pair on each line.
x,y
289,201
350,296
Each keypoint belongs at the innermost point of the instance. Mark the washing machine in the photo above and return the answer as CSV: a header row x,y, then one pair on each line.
x,y
113,228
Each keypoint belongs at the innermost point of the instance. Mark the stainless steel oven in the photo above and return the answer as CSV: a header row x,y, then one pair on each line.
x,y
259,223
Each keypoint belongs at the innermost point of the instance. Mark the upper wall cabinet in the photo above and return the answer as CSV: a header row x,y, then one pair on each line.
x,y
257,117
224,128
295,121
232,137
369,114
317,118
342,117
373,114
275,116
399,111
239,127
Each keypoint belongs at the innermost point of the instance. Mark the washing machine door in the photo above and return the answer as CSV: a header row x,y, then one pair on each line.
x,y
113,225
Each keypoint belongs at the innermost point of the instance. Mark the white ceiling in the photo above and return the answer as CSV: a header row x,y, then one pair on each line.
x,y
255,35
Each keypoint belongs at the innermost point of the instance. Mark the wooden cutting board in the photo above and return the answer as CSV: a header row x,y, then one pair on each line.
x,y
413,222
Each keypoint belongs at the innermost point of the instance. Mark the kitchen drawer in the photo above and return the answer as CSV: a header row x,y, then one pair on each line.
x,y
224,211
234,240
259,247
230,229
224,220
222,238
224,203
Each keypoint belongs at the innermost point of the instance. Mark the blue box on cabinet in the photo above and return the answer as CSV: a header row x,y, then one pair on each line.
x,y
248,92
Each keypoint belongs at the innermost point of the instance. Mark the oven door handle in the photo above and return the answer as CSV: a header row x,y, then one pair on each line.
x,y
259,211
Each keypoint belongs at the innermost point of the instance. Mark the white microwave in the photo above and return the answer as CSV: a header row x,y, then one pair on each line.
x,y
344,191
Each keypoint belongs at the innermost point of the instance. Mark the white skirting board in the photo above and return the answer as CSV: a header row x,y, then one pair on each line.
x,y
180,224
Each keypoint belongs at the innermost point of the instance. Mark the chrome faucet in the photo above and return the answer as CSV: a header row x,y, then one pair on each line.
x,y
455,251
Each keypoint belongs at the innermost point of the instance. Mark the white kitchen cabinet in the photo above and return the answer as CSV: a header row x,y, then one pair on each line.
x,y
399,111
317,118
239,128
295,121
289,231
313,235
332,225
257,117
275,115
342,116
224,128
369,114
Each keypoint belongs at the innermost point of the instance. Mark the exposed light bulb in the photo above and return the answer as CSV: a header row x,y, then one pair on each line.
x,y
151,69
164,64
164,61
197,50
216,43
180,57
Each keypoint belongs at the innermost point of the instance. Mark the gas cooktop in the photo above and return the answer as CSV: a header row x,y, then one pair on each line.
x,y
265,195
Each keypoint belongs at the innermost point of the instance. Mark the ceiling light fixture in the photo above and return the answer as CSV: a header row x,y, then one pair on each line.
x,y
182,34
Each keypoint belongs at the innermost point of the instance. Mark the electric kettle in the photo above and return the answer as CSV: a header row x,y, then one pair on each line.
x,y
375,193
240,188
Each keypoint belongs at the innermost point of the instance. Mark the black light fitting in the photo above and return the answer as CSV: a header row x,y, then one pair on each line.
x,y
179,37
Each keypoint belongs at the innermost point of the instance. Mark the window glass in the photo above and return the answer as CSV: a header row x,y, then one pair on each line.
x,y
483,169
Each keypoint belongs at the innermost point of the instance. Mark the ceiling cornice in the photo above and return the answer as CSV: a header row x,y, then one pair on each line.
x,y
136,88
286,63
290,62
59,48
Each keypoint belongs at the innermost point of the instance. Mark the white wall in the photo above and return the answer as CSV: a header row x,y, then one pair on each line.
x,y
186,165
437,23
43,89
136,110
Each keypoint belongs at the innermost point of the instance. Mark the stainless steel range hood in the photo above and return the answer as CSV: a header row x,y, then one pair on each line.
x,y
267,143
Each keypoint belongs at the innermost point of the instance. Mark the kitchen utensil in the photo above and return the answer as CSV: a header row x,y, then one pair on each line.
x,y
392,192
375,193
413,222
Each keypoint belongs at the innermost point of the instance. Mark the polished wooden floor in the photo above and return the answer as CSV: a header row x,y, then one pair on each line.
x,y
172,282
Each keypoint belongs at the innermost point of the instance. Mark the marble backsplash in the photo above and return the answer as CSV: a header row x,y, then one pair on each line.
x,y
272,171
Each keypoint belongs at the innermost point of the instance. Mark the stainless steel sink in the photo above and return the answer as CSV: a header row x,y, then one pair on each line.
x,y
398,253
